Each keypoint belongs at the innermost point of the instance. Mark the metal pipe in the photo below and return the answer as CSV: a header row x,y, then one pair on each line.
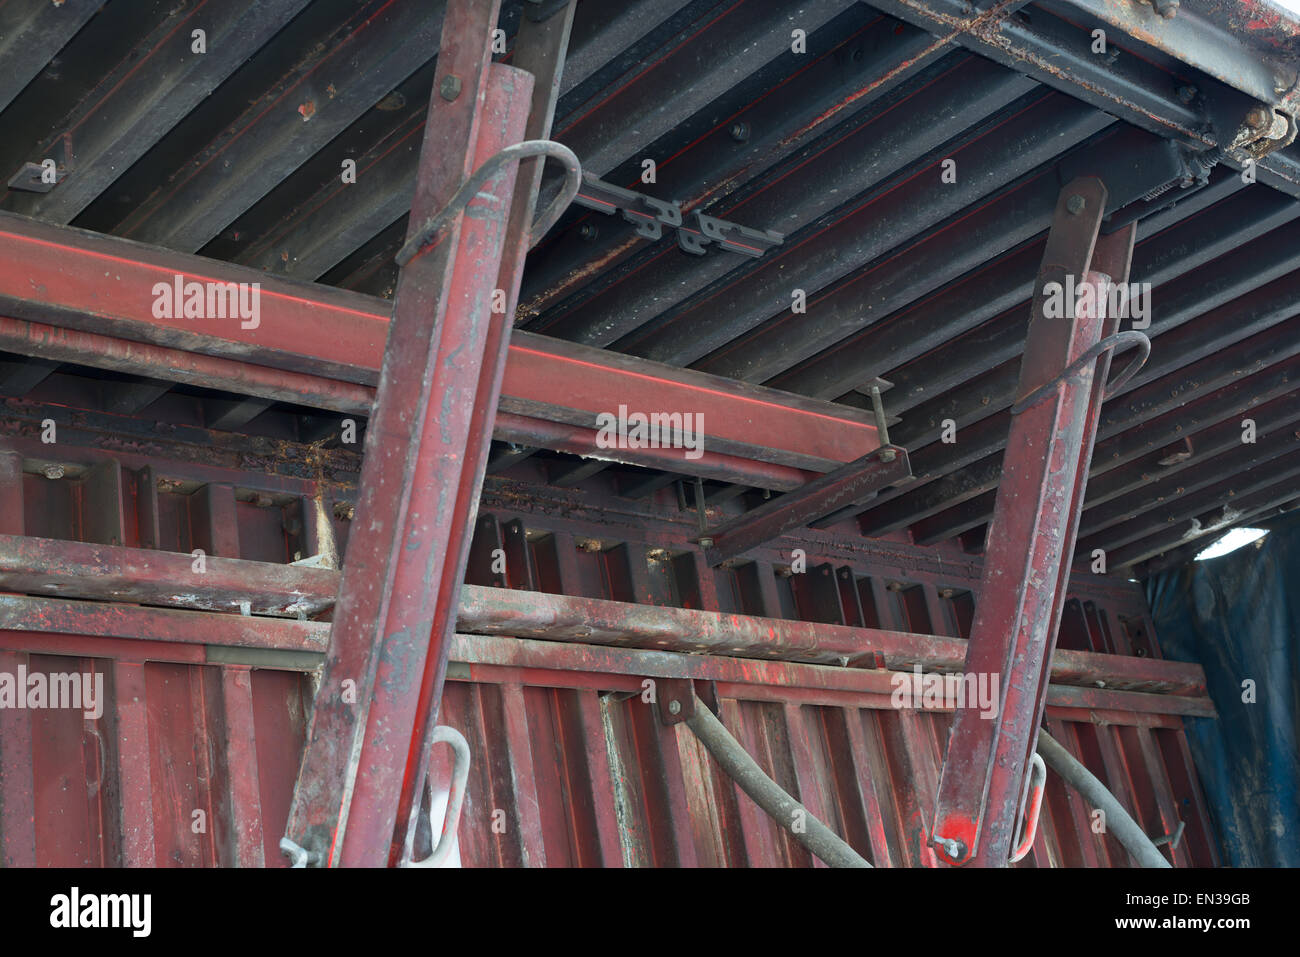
x,y
1118,821
819,839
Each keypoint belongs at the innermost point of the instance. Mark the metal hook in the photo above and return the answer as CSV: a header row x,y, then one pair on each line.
x,y
1034,785
455,797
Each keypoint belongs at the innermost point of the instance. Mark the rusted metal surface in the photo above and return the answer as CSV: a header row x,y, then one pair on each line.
x,y
116,574
319,346
419,481
1030,543
852,483
603,588
538,717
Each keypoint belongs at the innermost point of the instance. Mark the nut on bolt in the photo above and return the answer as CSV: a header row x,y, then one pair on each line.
x,y
951,846
1259,118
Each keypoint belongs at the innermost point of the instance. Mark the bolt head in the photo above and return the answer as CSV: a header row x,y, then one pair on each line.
x,y
53,471
888,455
674,707
739,132
1076,204
706,542
1258,118
450,87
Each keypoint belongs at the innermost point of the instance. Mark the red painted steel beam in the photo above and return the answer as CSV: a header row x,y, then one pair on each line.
x,y
74,296
422,471
177,634
541,47
1030,543
55,568
828,493
542,663
501,611
110,575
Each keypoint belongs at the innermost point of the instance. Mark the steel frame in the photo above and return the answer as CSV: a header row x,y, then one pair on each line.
x,y
364,766
644,557
1032,535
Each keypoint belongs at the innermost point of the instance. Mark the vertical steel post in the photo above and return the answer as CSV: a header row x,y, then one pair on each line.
x,y
540,49
414,514
1031,539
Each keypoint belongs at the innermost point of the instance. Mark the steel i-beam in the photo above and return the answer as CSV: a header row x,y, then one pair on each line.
x,y
423,466
1032,534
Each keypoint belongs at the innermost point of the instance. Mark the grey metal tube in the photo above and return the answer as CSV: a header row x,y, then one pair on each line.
x,y
1117,819
819,839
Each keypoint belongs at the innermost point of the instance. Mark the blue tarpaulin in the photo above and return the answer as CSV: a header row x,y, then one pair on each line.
x,y
1239,617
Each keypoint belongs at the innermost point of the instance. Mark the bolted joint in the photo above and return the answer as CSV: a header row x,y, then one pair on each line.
x,y
450,87
952,848
677,697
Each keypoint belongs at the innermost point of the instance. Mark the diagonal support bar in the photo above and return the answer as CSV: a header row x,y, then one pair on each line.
x,y
881,468
1032,534
416,508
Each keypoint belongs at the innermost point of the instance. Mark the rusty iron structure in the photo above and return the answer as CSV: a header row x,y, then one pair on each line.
x,y
298,544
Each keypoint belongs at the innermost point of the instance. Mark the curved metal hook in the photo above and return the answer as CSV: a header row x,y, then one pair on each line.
x,y
1130,337
469,189
1035,782
455,797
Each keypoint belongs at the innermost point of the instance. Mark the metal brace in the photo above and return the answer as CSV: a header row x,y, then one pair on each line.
x,y
650,216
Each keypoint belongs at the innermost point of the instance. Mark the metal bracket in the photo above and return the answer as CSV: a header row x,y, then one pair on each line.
x,y
1172,839
647,214
1265,130
675,698
30,178
650,216
730,236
